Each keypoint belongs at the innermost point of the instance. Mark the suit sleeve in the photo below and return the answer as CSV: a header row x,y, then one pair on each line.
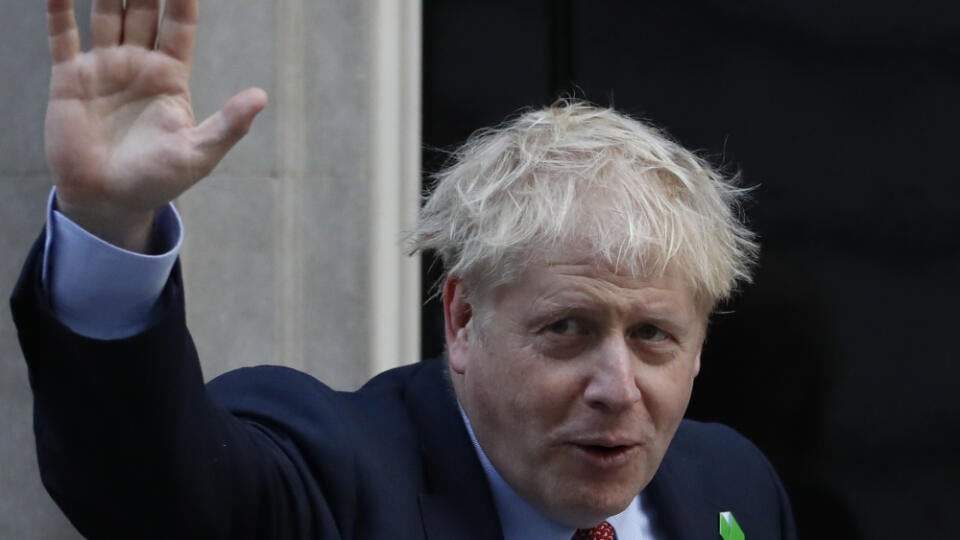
x,y
130,444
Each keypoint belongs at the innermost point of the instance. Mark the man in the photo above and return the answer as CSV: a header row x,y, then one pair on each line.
x,y
583,252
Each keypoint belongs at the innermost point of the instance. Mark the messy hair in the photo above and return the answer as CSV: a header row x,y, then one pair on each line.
x,y
577,174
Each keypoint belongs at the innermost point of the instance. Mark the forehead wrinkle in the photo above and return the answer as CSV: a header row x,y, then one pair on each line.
x,y
613,292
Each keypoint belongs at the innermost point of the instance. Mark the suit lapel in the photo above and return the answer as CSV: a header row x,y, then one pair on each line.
x,y
456,501
679,509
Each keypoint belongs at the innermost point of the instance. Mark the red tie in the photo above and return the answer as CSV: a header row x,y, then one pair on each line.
x,y
603,531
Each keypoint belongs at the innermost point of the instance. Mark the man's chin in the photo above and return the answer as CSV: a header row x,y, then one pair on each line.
x,y
589,509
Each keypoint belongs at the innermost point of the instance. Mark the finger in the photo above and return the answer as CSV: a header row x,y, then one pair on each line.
x,y
219,133
62,30
140,23
178,29
106,23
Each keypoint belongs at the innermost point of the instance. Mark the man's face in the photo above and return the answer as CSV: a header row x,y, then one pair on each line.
x,y
575,381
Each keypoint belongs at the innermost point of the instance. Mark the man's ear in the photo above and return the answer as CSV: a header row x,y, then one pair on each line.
x,y
456,318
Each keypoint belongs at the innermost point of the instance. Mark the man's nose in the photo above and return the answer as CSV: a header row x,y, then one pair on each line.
x,y
613,380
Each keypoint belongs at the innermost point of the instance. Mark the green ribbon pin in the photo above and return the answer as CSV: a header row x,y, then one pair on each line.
x,y
729,528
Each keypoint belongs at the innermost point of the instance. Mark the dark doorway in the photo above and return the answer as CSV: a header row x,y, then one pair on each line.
x,y
840,360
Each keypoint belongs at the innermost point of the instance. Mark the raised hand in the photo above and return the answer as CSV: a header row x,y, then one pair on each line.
x,y
121,137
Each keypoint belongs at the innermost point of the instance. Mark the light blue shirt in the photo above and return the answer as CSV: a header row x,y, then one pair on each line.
x,y
101,291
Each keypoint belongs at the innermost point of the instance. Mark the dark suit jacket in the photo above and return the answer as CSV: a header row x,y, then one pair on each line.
x,y
132,444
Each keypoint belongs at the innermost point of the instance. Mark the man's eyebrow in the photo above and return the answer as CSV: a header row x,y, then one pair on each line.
x,y
572,300
564,304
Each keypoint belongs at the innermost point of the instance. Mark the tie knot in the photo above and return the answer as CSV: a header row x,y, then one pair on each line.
x,y
603,531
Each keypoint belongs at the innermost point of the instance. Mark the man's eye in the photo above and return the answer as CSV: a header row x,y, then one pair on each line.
x,y
649,332
566,327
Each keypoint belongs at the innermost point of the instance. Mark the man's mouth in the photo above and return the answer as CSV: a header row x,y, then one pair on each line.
x,y
604,450
606,455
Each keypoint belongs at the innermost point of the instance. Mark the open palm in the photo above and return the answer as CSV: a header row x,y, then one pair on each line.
x,y
121,136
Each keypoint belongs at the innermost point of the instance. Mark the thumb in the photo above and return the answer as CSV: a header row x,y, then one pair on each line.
x,y
216,135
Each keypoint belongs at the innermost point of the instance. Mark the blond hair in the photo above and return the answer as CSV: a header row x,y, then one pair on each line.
x,y
574,173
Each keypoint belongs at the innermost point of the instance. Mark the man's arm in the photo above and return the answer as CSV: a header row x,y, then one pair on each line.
x,y
129,442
